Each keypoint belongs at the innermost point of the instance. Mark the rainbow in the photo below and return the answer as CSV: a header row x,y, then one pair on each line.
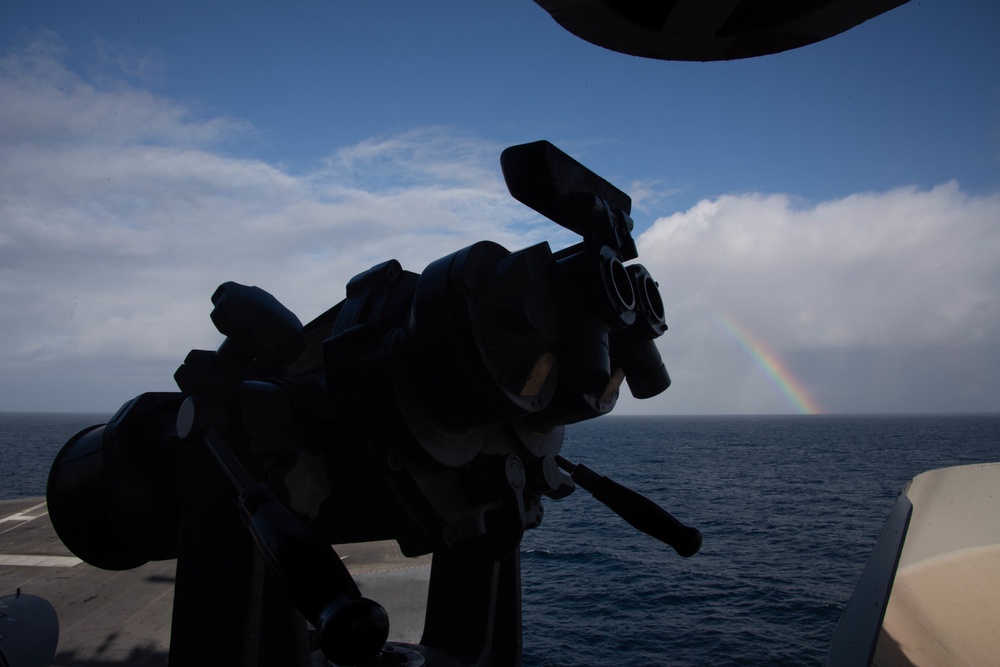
x,y
782,377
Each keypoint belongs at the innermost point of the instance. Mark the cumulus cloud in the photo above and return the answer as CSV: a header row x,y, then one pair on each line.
x,y
894,278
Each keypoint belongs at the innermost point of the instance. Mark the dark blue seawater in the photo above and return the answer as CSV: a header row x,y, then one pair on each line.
x,y
29,441
789,506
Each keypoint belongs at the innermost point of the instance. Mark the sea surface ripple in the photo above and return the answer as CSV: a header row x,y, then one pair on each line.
x,y
789,507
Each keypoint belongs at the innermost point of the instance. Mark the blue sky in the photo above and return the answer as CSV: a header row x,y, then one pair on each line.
x,y
839,201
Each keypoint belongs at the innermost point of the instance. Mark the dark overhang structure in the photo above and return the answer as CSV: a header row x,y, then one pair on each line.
x,y
719,30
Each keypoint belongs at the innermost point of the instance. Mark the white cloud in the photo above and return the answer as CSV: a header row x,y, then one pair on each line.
x,y
119,217
46,103
904,272
120,214
651,195
902,267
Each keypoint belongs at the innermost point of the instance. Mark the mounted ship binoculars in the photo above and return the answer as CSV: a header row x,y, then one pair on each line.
x,y
423,408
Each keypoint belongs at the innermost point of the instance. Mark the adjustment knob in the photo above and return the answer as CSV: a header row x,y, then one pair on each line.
x,y
256,324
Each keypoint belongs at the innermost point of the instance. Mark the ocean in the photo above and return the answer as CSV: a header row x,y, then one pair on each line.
x,y
789,507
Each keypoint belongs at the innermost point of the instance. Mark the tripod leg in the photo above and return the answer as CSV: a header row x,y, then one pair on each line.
x,y
474,609
228,611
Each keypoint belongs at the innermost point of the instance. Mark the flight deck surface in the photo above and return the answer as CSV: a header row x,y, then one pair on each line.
x,y
123,618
